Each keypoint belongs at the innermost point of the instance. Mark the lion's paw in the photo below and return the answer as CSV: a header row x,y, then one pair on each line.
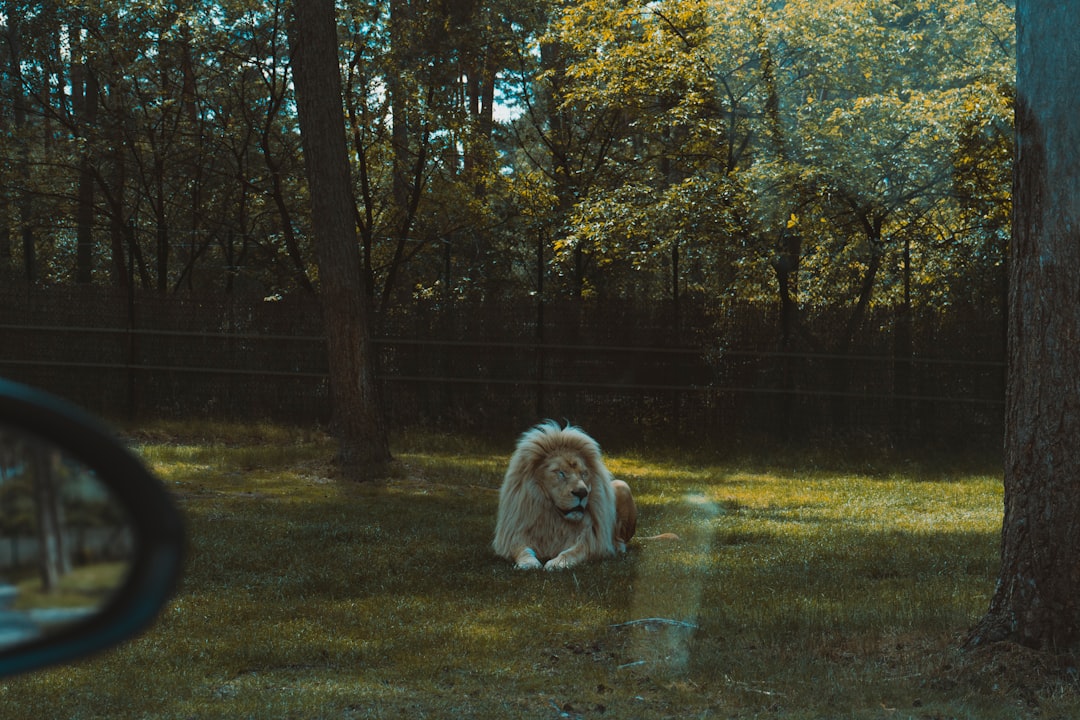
x,y
560,562
527,560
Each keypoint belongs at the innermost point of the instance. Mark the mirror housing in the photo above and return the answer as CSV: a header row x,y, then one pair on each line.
x,y
155,523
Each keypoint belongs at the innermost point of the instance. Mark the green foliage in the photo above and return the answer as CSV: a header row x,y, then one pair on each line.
x,y
803,586
651,148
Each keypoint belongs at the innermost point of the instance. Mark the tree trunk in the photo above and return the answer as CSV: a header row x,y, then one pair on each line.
x,y
277,193
85,98
53,561
7,263
1037,599
114,184
358,422
22,162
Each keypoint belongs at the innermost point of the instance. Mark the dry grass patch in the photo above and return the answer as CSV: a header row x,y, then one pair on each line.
x,y
795,591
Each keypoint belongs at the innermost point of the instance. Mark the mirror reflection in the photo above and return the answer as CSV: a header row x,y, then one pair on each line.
x,y
65,544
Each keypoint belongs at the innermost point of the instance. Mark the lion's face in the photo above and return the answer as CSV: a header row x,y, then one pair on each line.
x,y
565,479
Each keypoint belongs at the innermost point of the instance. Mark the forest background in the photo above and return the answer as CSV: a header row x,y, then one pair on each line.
x,y
535,178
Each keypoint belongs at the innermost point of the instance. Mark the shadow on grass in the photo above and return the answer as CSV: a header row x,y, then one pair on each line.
x,y
796,593
410,564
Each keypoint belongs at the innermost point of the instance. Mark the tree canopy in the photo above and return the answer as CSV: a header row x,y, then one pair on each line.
x,y
842,153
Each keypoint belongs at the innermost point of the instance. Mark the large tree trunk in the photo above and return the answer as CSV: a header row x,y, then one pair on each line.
x,y
358,422
1037,600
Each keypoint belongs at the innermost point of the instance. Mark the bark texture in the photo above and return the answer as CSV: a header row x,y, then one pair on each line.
x,y
358,419
1037,599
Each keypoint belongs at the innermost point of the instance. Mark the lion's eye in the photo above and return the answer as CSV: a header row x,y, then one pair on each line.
x,y
562,475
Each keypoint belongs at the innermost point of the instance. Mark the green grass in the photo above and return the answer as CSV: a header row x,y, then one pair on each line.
x,y
802,587
85,586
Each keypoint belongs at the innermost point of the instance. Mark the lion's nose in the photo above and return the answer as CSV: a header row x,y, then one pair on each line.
x,y
580,493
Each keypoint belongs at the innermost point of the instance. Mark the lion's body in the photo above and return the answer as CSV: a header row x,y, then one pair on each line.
x,y
559,505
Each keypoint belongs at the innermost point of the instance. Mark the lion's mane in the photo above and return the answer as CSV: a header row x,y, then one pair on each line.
x,y
528,518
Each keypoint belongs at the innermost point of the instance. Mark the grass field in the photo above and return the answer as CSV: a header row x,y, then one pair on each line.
x,y
804,586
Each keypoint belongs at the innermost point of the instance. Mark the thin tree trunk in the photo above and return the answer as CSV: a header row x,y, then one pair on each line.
x,y
25,199
53,562
7,265
85,91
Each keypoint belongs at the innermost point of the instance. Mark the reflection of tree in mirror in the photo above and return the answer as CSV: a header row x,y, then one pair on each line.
x,y
64,543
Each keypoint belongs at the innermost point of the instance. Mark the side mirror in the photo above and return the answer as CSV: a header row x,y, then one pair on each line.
x,y
90,542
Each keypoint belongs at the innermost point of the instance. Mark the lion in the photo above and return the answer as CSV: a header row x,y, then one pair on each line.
x,y
559,505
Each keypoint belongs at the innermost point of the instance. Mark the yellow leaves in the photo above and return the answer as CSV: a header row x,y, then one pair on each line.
x,y
793,221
